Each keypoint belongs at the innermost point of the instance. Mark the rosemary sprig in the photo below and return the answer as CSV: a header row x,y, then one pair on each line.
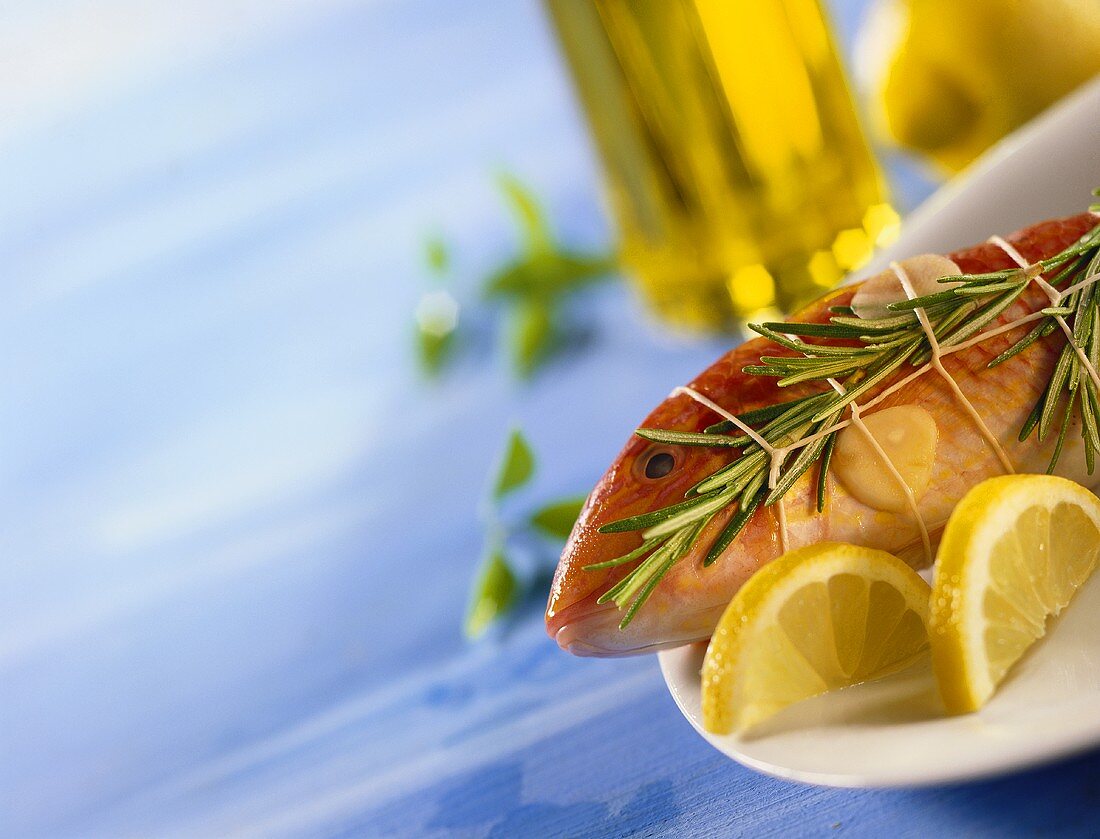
x,y
875,351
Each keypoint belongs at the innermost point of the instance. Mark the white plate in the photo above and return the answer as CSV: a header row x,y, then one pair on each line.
x,y
894,732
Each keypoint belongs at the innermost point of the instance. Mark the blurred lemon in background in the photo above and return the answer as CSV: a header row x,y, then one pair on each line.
x,y
950,78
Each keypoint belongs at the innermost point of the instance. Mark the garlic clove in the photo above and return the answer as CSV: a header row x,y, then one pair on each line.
x,y
909,436
924,272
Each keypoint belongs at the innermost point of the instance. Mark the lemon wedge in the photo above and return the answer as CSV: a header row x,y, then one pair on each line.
x,y
1013,553
818,618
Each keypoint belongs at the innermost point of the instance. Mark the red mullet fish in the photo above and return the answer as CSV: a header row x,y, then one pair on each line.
x,y
976,435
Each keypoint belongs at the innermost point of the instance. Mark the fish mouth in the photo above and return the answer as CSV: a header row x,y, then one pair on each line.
x,y
592,630
584,627
568,638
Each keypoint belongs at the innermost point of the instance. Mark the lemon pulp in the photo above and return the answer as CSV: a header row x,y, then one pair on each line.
x,y
816,619
1013,554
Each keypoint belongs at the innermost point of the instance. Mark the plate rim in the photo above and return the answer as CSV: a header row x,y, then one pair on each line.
x,y
951,774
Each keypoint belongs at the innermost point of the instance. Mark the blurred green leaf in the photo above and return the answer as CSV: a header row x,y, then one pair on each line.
x,y
494,593
437,314
434,351
557,518
532,335
435,252
548,274
517,466
525,207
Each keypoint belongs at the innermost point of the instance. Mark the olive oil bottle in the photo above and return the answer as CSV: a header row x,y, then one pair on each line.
x,y
737,171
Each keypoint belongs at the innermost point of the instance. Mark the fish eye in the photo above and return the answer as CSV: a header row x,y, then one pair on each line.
x,y
658,464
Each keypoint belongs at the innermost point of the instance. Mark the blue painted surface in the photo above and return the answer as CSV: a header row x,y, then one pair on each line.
x,y
237,531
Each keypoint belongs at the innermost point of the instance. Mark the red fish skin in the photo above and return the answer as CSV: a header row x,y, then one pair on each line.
x,y
686,605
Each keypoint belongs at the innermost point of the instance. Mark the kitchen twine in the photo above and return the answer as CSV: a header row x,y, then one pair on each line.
x,y
777,454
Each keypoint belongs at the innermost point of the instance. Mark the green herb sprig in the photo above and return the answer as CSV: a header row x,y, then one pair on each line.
x,y
532,288
873,352
497,586
437,313
538,280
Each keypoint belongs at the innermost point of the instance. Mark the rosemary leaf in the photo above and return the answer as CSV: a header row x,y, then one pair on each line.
x,y
759,415
745,465
799,415
753,487
652,567
669,555
672,558
656,517
1054,389
992,288
803,347
732,529
761,370
628,586
689,515
1090,429
874,324
924,302
643,596
824,370
889,340
823,470
819,330
1031,421
1069,270
986,277
640,551
986,315
942,328
1061,436
690,438
1043,329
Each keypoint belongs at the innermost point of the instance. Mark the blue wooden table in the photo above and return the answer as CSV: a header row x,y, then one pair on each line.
x,y
237,529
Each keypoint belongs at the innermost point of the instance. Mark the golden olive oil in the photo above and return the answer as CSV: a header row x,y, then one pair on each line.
x,y
739,176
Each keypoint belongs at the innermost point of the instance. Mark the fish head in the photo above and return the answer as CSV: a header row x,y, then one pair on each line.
x,y
646,476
